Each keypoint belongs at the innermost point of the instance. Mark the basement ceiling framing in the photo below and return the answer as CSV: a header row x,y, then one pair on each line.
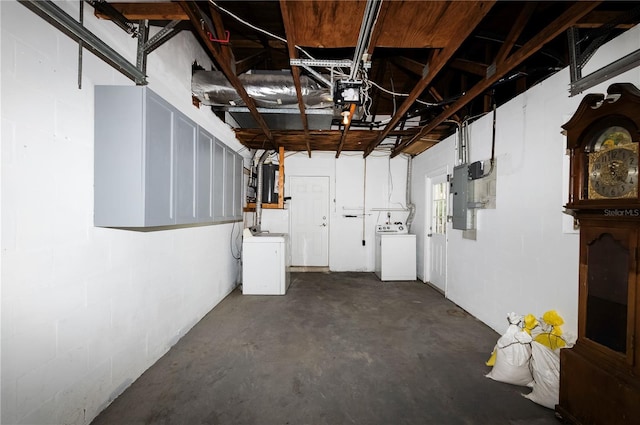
x,y
424,66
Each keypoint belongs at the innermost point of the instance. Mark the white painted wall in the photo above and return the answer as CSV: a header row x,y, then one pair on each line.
x,y
522,260
385,189
86,310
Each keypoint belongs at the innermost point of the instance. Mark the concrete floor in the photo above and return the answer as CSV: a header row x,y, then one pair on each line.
x,y
339,348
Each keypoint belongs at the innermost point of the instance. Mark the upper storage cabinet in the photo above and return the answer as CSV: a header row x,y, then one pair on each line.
x,y
153,165
227,184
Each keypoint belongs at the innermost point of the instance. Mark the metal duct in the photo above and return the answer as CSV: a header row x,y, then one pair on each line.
x,y
269,90
259,194
410,205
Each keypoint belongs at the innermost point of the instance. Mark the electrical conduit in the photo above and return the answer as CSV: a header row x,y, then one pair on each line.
x,y
259,192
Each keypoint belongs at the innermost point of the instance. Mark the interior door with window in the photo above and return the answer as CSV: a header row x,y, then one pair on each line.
x,y
309,212
436,238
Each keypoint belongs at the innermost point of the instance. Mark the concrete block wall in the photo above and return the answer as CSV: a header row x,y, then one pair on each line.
x,y
86,310
525,257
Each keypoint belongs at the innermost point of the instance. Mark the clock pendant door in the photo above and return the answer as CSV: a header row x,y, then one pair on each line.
x,y
608,291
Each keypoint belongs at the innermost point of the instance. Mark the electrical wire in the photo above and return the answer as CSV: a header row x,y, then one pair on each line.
x,y
250,25
239,248
390,180
379,87
364,200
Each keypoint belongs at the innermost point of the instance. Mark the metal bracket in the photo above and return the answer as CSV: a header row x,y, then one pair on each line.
x,y
58,18
578,57
164,35
143,35
326,63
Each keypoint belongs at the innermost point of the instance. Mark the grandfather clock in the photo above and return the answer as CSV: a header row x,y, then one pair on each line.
x,y
600,375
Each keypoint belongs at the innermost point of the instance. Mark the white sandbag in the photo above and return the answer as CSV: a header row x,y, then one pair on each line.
x,y
513,353
545,365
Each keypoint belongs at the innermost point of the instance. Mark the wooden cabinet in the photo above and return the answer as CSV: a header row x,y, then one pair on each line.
x,y
153,166
600,375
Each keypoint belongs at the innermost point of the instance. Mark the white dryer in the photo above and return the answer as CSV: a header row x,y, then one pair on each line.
x,y
395,253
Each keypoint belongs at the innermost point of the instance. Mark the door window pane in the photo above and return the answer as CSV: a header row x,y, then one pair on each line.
x,y
439,208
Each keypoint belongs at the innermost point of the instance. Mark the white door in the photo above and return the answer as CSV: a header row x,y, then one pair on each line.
x,y
436,238
309,221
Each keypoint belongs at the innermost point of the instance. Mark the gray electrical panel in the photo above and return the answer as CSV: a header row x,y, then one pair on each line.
x,y
462,191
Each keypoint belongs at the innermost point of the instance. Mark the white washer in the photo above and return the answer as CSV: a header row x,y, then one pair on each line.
x,y
265,264
395,253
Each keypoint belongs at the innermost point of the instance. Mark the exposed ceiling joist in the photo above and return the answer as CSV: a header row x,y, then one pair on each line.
x,y
200,25
559,25
472,17
345,130
413,66
158,11
295,70
471,67
516,29
222,39
432,52
247,63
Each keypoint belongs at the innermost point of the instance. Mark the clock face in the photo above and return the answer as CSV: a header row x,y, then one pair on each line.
x,y
613,172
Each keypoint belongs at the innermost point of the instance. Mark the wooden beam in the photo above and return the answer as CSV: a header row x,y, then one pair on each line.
x,y
418,68
475,68
225,48
192,9
247,63
281,177
551,31
516,30
327,140
598,18
413,66
343,138
438,98
287,19
471,20
151,11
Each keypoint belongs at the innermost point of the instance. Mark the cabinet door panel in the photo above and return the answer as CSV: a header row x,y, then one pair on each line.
x,y
204,178
218,181
159,163
238,184
230,166
185,148
607,289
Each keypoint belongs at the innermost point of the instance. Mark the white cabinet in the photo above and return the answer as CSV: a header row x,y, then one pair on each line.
x,y
153,166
